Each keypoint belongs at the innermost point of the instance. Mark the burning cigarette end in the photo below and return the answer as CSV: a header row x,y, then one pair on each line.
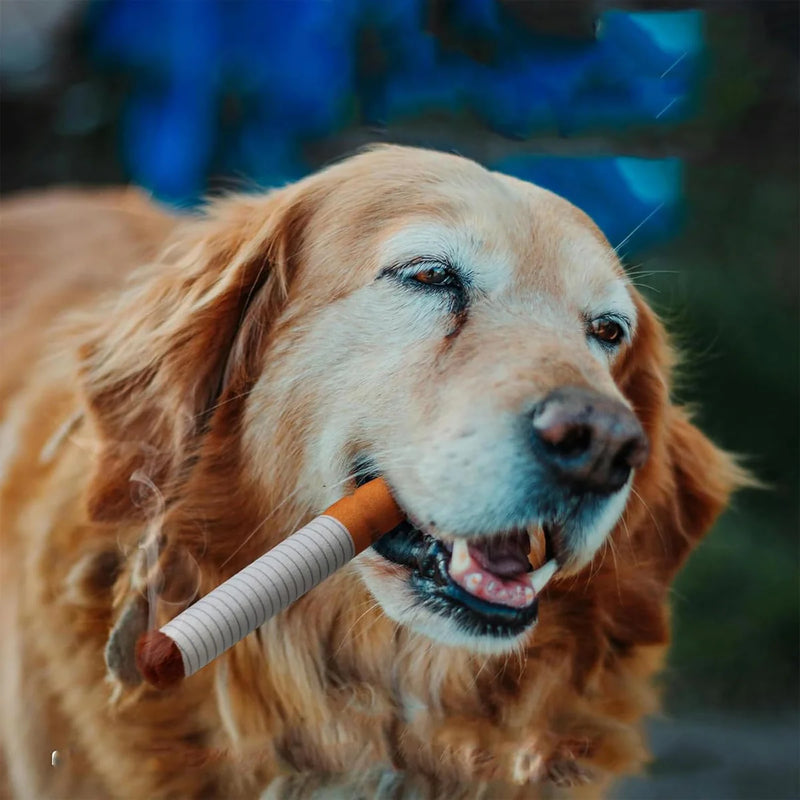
x,y
270,584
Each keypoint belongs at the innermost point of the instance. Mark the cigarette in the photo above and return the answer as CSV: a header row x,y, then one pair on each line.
x,y
268,585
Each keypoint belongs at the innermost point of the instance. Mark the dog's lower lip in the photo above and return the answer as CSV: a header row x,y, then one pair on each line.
x,y
429,558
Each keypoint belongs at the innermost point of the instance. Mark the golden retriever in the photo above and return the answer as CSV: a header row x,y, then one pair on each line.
x,y
470,337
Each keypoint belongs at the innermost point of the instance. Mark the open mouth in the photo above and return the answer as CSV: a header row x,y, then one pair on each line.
x,y
490,585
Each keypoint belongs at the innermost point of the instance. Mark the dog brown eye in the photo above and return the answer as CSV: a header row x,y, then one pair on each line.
x,y
607,331
435,276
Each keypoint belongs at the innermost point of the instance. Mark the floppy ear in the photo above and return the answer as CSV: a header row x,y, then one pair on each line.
x,y
687,480
158,362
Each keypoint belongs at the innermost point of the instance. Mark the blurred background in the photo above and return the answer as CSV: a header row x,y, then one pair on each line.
x,y
674,125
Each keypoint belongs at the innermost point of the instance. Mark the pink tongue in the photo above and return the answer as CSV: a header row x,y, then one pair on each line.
x,y
505,585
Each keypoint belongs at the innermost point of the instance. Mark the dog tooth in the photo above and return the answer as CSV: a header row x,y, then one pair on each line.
x,y
541,577
473,580
461,558
529,594
538,546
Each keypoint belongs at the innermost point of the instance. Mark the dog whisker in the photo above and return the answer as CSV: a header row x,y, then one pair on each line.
x,y
652,517
273,511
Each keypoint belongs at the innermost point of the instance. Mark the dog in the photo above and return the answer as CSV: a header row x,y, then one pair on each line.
x,y
178,395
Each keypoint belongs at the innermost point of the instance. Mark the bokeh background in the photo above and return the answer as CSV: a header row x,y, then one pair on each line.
x,y
674,125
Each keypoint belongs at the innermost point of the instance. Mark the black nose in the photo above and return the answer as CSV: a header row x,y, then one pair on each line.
x,y
591,441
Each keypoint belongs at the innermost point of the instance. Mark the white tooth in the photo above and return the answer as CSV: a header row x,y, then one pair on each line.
x,y
473,581
541,577
461,557
529,594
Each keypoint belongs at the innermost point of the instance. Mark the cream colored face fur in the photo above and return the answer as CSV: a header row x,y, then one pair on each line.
x,y
434,396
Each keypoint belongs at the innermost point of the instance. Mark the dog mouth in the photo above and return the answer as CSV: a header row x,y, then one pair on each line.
x,y
489,586
498,570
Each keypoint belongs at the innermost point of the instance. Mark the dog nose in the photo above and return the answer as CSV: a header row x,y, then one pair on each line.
x,y
591,441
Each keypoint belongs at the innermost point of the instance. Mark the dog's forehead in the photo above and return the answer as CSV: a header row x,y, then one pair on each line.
x,y
512,236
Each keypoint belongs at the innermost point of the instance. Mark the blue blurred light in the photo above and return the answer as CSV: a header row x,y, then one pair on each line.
x,y
236,86
634,201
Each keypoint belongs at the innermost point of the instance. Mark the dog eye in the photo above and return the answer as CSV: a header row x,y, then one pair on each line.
x,y
607,331
435,275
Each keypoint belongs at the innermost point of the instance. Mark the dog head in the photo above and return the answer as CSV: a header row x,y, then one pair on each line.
x,y
470,337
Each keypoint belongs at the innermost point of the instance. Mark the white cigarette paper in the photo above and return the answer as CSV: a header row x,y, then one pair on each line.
x,y
263,588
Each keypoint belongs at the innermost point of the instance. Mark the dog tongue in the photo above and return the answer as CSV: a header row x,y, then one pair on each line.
x,y
495,570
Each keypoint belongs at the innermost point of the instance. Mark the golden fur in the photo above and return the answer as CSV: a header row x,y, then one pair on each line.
x,y
162,435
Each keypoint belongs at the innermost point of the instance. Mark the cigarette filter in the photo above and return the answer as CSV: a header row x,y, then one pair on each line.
x,y
268,585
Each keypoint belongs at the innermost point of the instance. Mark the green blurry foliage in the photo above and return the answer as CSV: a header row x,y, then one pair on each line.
x,y
728,290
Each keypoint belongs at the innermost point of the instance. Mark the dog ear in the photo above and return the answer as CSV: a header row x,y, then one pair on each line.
x,y
702,480
677,495
687,480
158,361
